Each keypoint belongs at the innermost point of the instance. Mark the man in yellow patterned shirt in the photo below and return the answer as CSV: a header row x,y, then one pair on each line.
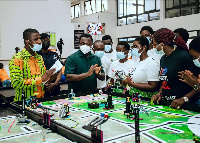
x,y
27,70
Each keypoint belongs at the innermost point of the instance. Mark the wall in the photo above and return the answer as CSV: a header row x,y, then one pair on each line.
x,y
16,16
190,22
108,17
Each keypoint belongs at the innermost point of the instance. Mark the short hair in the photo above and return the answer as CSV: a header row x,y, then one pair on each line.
x,y
195,44
183,33
143,41
148,28
97,41
28,32
107,37
86,36
1,65
44,35
125,44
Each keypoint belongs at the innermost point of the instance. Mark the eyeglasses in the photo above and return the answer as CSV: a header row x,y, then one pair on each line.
x,y
135,46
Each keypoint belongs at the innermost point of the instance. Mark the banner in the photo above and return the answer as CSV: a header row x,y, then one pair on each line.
x,y
77,34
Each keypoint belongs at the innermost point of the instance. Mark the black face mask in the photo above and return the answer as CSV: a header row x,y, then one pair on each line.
x,y
45,45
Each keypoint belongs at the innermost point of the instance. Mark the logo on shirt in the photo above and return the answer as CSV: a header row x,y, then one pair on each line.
x,y
54,57
163,71
170,97
119,76
163,78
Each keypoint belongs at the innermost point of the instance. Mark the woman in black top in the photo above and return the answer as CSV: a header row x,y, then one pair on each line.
x,y
175,59
187,76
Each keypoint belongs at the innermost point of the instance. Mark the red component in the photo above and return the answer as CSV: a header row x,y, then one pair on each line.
x,y
106,116
37,104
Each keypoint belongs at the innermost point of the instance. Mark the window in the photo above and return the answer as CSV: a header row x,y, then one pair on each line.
x,y
193,34
135,11
129,40
94,6
176,8
75,11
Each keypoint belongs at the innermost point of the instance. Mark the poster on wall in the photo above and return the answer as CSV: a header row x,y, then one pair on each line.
x,y
95,28
53,38
77,34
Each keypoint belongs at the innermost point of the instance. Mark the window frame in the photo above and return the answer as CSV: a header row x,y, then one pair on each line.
x,y
136,15
95,6
74,10
181,6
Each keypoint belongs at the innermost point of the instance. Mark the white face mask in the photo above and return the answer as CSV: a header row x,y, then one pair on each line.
x,y
85,49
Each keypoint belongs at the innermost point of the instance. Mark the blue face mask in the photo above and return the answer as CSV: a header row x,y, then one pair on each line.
x,y
159,52
107,48
135,53
99,54
196,62
120,55
37,47
149,39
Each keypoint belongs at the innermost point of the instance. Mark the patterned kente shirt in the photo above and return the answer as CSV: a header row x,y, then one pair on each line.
x,y
25,73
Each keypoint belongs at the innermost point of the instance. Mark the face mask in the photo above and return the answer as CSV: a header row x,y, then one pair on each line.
x,y
99,54
45,45
135,53
85,49
120,55
37,47
159,52
196,62
149,39
107,48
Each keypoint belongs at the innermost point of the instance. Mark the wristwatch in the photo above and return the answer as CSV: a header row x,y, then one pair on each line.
x,y
196,87
185,99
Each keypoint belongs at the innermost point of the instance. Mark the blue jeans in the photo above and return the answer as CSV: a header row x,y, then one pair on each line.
x,y
6,83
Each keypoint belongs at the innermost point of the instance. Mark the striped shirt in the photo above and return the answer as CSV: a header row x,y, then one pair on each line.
x,y
25,73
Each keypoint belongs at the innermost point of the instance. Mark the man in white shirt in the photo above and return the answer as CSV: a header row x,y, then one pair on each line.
x,y
110,53
98,49
120,68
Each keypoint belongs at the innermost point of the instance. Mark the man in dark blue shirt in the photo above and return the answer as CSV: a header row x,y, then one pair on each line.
x,y
52,88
